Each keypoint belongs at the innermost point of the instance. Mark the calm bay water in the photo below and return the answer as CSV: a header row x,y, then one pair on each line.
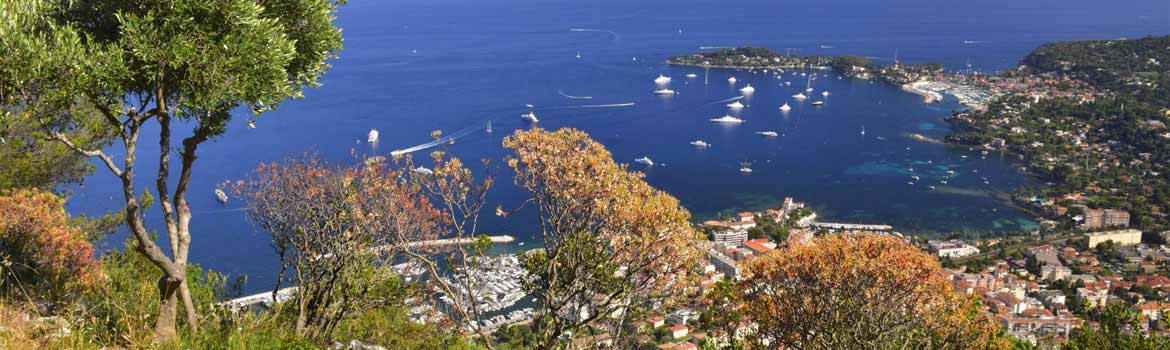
x,y
410,67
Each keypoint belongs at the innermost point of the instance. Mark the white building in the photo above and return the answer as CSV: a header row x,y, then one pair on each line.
x,y
953,248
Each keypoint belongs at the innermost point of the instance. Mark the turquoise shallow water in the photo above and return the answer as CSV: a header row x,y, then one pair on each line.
x,y
410,67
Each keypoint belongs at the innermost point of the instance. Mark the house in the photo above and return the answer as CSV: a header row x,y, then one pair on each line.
x,y
655,322
679,331
1153,311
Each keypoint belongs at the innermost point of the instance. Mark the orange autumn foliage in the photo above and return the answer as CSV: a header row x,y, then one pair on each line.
x,y
862,292
38,246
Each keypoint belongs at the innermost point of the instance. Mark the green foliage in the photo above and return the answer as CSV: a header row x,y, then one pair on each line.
x,y
1120,327
32,160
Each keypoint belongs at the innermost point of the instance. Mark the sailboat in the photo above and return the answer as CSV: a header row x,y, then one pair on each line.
x,y
578,54
489,127
863,130
785,107
809,85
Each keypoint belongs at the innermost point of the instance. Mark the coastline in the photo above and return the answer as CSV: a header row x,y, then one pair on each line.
x,y
747,67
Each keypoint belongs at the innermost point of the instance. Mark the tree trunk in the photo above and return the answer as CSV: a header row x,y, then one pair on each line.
x,y
168,304
192,318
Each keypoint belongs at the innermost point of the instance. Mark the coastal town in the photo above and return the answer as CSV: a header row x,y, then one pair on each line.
x,y
1039,288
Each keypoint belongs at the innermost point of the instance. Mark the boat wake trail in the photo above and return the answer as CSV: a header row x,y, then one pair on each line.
x,y
445,139
562,92
737,98
614,34
611,105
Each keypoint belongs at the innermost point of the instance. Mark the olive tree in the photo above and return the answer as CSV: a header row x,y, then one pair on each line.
x,y
85,68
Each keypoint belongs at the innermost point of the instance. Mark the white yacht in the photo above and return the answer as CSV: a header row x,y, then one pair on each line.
x,y
825,93
423,170
818,103
915,178
373,136
799,96
731,80
644,160
767,133
692,75
529,105
220,196
735,105
785,107
788,83
661,79
664,92
700,144
747,89
744,168
727,119
251,124
530,116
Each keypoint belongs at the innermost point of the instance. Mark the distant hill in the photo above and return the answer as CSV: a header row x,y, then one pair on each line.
x,y
1121,65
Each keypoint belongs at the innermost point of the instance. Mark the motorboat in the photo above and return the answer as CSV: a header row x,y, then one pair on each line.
x,y
747,89
664,92
529,105
423,170
644,160
530,117
863,130
735,105
788,83
767,133
373,136
744,168
799,96
915,178
731,80
818,103
825,93
692,75
727,119
220,196
662,79
251,124
785,107
700,144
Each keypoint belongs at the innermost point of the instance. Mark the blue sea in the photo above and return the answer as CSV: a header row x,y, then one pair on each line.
x,y
410,67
